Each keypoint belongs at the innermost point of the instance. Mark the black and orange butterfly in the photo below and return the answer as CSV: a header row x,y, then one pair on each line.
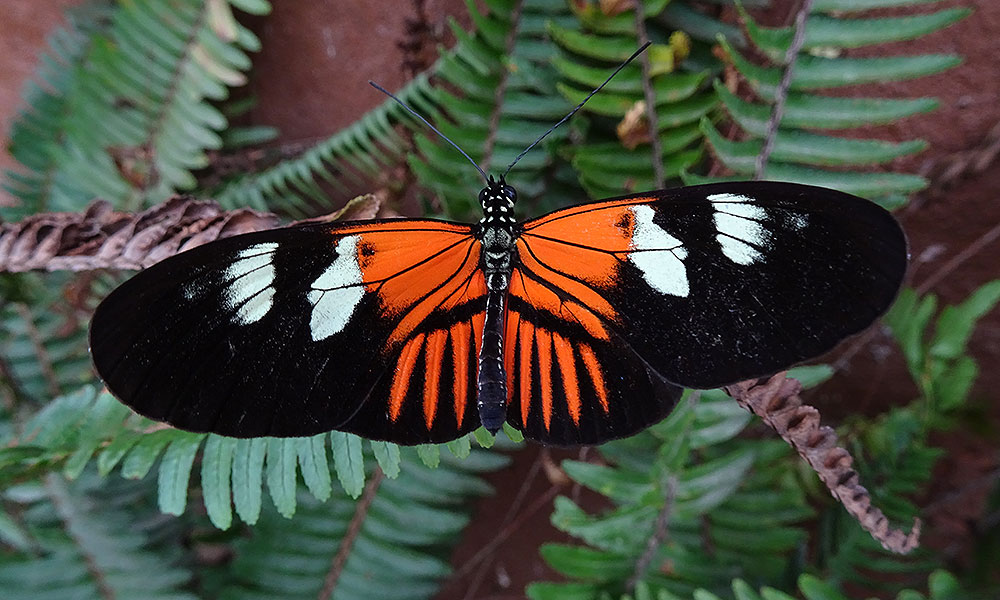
x,y
577,327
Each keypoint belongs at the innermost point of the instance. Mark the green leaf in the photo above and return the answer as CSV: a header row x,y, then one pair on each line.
x,y
248,477
175,472
313,462
813,72
105,416
956,323
348,461
862,5
617,484
804,110
543,590
586,563
387,456
216,469
816,589
828,32
460,447
807,148
282,454
429,454
114,452
951,388
144,453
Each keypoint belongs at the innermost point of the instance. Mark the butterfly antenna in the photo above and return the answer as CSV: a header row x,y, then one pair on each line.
x,y
578,107
433,128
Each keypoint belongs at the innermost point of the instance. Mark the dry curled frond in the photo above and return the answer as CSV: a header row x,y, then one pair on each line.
x,y
101,238
778,404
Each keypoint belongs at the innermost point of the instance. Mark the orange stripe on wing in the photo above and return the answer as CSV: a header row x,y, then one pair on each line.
x,y
460,333
545,366
596,375
567,367
525,340
432,375
541,296
404,370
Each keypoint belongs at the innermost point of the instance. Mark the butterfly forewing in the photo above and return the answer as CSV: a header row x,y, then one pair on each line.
x,y
713,284
302,330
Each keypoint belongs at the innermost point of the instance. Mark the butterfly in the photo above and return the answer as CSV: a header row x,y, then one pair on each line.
x,y
576,327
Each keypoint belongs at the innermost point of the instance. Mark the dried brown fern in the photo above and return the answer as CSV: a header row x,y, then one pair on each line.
x,y
778,404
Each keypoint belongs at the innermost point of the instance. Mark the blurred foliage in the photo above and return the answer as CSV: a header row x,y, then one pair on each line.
x,y
132,103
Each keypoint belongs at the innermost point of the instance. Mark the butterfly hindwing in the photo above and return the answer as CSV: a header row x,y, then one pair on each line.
x,y
713,284
301,330
571,382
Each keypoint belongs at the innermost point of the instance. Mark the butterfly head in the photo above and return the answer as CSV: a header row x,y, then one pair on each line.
x,y
497,200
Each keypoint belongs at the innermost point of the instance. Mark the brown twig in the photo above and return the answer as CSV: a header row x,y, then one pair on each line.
x,y
781,94
650,96
353,530
778,404
956,261
660,532
100,238
491,132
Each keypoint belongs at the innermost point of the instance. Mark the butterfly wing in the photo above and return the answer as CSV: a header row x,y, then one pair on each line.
x,y
699,286
369,327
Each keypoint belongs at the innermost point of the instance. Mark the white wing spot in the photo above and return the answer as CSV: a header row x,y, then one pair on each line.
x,y
248,281
799,222
658,255
336,293
740,231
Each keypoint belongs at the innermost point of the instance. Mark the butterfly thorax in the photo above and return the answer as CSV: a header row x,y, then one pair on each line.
x,y
497,234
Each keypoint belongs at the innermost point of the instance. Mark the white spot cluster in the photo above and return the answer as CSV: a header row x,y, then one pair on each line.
x,y
741,232
336,293
497,209
658,255
249,282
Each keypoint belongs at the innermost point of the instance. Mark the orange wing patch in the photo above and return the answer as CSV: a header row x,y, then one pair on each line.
x,y
577,251
418,271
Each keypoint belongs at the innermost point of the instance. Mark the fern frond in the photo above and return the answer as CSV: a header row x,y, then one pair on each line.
x,y
43,345
73,430
92,539
941,585
694,507
392,544
660,141
46,116
799,154
140,93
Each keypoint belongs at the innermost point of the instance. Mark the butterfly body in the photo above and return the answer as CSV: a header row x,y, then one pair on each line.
x,y
497,234
576,327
